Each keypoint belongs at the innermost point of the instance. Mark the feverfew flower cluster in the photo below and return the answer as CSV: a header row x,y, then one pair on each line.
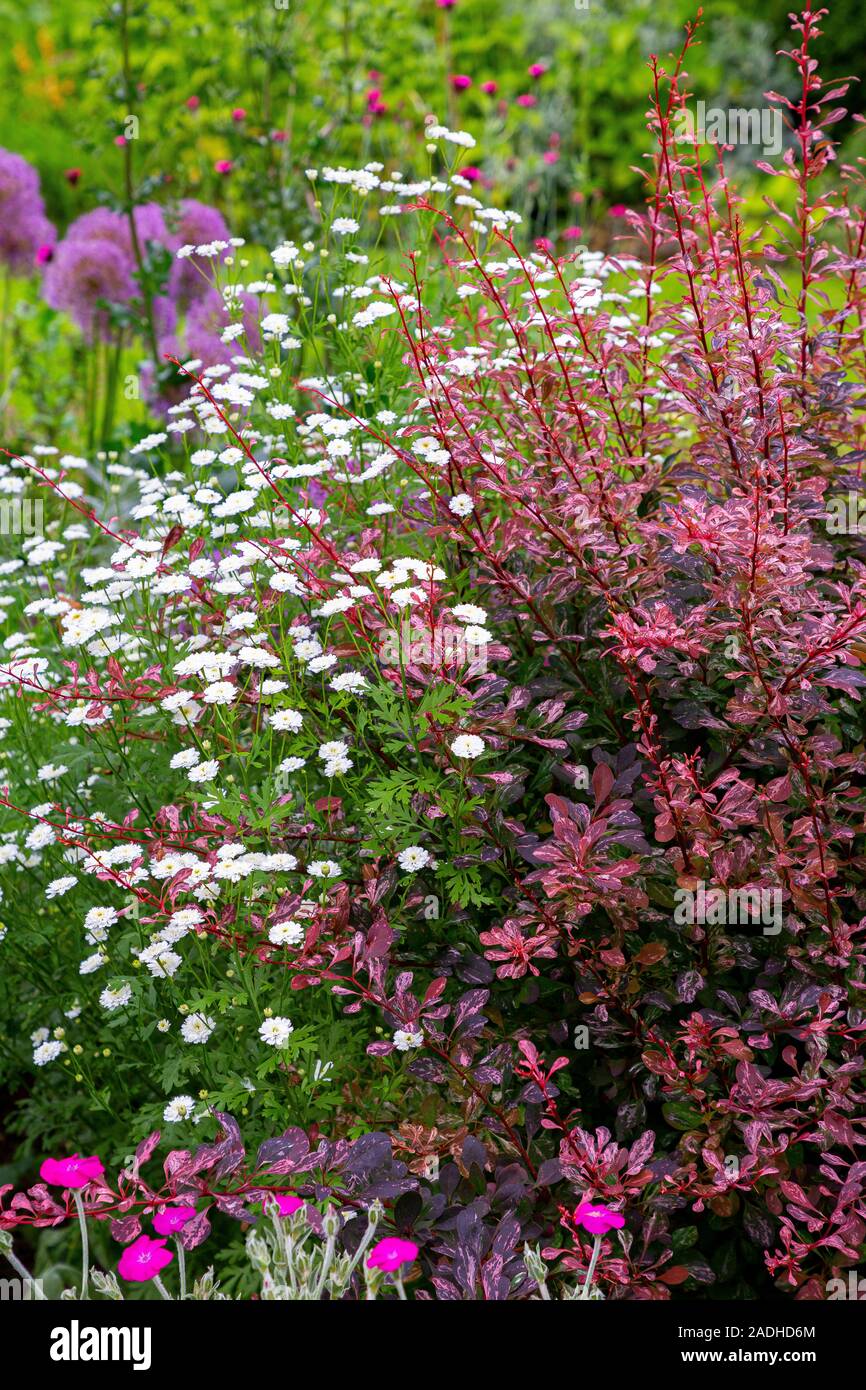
x,y
236,631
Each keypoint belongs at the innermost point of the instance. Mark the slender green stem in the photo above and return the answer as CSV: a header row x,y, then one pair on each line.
x,y
162,1289
181,1267
130,192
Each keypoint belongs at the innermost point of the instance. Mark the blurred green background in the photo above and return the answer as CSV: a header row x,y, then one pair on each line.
x,y
352,80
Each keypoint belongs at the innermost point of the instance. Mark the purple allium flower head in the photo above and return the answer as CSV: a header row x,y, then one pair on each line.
x,y
104,225
150,225
205,321
24,228
196,224
19,181
83,272
96,260
164,316
99,225
22,238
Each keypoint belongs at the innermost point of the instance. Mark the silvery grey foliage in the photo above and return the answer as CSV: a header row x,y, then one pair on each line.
x,y
296,1264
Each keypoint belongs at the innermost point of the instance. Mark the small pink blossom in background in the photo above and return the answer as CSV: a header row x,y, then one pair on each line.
x,y
470,172
44,253
537,69
143,1259
239,114
460,82
286,1204
172,1219
543,243
550,156
490,88
120,141
618,210
223,166
598,1220
572,233
446,4
391,1253
192,103
279,137
71,1172
527,99
375,104
72,176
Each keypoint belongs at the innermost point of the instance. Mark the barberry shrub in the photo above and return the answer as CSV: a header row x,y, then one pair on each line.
x,y
455,732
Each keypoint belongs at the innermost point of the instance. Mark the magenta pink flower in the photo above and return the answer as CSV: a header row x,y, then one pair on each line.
x,y
618,210
572,233
71,1172
391,1253
193,103
239,114
459,81
286,1205
172,1220
44,253
598,1220
143,1259
446,4
223,166
490,88
527,99
537,69
550,156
